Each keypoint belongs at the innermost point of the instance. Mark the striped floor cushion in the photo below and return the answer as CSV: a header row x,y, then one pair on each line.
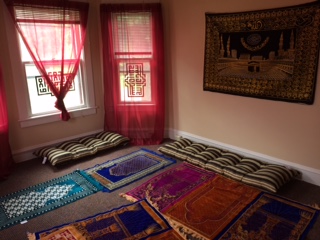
x,y
202,158
176,149
245,166
55,155
79,148
250,171
270,177
196,153
219,164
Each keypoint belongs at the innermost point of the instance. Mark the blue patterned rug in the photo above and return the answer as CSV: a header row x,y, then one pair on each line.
x,y
134,221
126,169
38,199
272,217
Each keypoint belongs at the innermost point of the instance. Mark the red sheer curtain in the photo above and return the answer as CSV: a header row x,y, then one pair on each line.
x,y
54,34
133,66
6,160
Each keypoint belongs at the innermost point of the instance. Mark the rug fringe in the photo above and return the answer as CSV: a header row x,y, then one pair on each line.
x,y
183,231
153,204
316,206
31,236
129,198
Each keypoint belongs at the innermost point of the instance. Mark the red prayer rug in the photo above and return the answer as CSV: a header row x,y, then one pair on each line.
x,y
205,212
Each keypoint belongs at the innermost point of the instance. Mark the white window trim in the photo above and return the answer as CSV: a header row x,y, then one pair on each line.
x,y
18,74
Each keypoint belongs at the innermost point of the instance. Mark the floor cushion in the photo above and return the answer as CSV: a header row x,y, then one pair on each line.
x,y
250,171
201,158
239,170
270,177
196,153
177,148
55,155
82,147
220,163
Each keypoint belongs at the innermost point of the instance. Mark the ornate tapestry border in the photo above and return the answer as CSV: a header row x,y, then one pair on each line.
x,y
270,54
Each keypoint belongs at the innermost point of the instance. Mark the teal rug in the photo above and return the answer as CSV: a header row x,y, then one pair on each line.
x,y
126,169
38,199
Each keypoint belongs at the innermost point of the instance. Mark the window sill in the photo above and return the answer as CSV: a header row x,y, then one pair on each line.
x,y
34,121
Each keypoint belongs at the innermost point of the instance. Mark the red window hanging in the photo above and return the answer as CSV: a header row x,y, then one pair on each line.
x,y
133,66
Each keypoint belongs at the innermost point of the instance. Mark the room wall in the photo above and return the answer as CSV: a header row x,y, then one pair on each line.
x,y
279,130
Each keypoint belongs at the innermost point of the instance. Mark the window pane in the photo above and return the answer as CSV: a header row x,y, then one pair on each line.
x,y
46,31
135,83
42,100
132,32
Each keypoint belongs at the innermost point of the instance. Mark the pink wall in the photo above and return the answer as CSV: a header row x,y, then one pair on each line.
x,y
282,130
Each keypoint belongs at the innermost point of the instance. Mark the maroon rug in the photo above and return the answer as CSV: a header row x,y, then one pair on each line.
x,y
165,189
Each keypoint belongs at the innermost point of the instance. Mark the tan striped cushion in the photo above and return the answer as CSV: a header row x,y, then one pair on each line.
x,y
91,142
191,151
206,155
79,148
195,148
226,159
250,171
245,166
186,150
176,149
270,177
54,155
114,138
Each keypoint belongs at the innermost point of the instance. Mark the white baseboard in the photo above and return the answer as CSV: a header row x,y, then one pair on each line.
x,y
309,174
26,154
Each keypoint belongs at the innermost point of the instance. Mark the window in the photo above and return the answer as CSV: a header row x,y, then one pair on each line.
x,y
41,98
132,40
36,101
134,77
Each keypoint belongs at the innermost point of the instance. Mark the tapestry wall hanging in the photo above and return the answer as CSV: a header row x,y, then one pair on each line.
x,y
270,54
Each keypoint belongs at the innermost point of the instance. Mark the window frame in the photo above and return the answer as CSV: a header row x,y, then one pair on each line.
x,y
21,89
